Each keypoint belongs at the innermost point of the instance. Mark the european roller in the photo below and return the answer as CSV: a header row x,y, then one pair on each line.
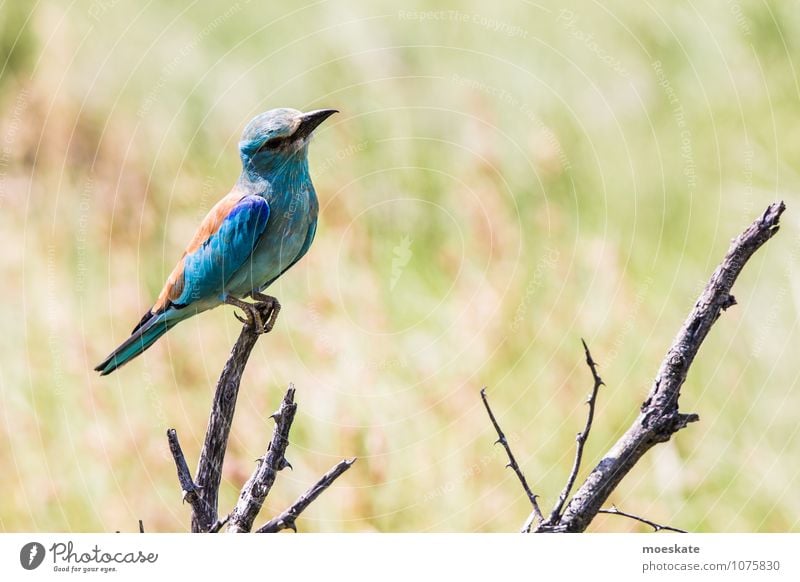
x,y
248,239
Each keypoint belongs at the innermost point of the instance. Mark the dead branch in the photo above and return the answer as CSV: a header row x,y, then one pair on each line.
x,y
258,486
656,526
220,524
286,520
209,468
512,464
203,495
659,416
188,486
582,436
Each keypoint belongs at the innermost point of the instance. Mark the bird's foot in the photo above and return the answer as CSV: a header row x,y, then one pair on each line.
x,y
259,316
269,308
252,315
251,319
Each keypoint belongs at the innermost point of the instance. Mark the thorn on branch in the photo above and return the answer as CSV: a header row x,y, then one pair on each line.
x,y
656,526
286,520
203,495
659,418
582,437
729,302
258,486
536,514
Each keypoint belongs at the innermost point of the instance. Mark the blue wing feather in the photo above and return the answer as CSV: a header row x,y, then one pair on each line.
x,y
208,269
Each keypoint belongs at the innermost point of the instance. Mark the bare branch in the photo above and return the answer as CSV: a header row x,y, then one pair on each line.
x,y
582,437
512,463
188,486
258,486
656,526
209,468
219,524
203,496
286,520
660,417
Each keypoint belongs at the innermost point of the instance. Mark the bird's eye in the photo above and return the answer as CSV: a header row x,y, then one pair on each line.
x,y
272,144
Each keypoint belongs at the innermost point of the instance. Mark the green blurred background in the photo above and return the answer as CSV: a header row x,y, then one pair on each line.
x,y
503,179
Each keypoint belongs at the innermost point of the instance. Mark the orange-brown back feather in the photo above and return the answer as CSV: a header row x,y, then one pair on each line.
x,y
210,224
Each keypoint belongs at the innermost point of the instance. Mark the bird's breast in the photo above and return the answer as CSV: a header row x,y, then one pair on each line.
x,y
293,213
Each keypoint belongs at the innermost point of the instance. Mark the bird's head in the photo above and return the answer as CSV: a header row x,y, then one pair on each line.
x,y
277,137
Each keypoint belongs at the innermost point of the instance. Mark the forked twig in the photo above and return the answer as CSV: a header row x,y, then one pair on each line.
x,y
660,417
204,494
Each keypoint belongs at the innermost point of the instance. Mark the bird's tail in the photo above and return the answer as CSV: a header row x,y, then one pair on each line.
x,y
144,335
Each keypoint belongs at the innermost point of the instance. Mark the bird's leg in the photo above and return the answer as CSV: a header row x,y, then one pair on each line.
x,y
252,317
271,308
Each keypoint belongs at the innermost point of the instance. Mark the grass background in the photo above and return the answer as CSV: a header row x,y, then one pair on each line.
x,y
502,180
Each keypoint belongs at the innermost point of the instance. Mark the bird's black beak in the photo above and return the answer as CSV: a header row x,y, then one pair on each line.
x,y
311,120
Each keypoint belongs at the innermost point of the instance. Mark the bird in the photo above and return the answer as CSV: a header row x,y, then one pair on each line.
x,y
248,239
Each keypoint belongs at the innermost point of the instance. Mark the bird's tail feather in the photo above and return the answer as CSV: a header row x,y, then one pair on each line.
x,y
143,336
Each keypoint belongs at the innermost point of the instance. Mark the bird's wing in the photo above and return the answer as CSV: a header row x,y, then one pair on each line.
x,y
223,242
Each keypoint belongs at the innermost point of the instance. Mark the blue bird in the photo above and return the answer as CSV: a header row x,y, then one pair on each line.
x,y
248,239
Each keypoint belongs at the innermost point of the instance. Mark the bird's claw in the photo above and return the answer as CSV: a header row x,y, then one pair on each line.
x,y
268,308
260,316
